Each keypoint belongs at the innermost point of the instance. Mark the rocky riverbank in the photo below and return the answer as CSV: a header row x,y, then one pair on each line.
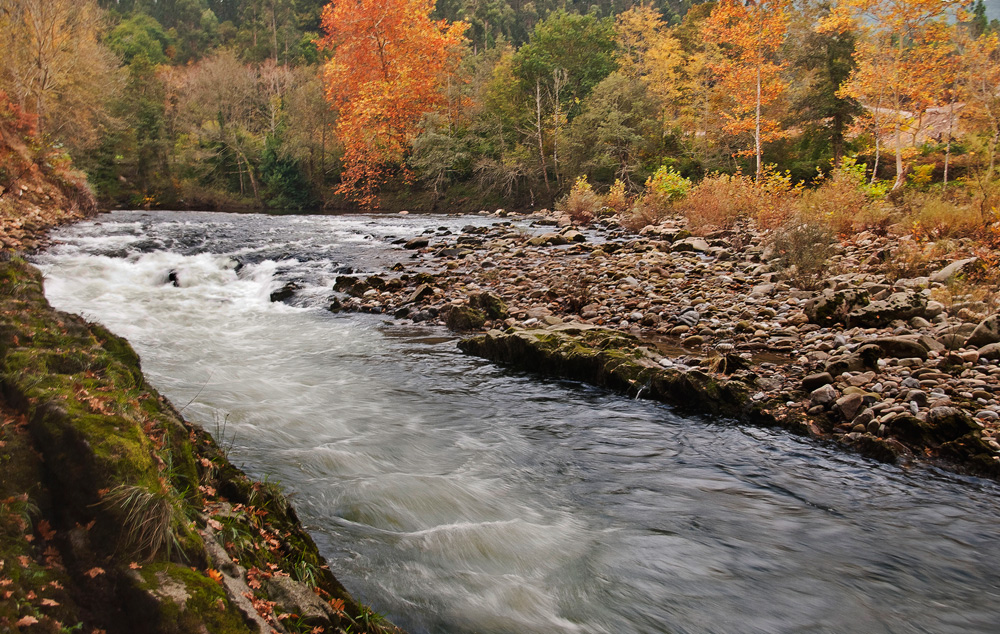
x,y
117,515
894,353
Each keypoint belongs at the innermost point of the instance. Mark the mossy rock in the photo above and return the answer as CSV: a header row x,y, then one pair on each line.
x,y
172,599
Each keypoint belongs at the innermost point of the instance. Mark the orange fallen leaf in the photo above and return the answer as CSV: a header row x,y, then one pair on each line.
x,y
94,572
45,530
26,621
134,566
215,575
216,524
50,602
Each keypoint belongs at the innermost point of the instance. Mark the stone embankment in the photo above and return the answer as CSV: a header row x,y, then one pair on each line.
x,y
882,357
118,516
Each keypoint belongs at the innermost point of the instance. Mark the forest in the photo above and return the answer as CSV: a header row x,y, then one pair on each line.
x,y
468,104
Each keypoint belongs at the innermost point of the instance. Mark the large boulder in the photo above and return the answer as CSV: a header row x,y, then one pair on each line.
x,y
465,318
491,305
955,269
830,307
987,332
864,358
898,306
902,347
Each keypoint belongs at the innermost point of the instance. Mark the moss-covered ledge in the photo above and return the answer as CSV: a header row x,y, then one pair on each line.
x,y
118,515
607,358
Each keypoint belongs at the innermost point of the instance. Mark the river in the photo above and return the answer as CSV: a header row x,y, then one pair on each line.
x,y
458,497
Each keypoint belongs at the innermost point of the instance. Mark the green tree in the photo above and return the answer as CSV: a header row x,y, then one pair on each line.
x,y
139,34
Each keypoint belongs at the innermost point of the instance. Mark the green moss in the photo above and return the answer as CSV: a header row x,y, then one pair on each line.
x,y
189,601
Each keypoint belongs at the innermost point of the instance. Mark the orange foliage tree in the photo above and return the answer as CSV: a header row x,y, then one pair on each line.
x,y
388,66
749,36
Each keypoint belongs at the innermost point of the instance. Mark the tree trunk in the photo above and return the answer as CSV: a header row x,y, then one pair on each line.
x,y
993,148
756,133
538,127
878,155
899,157
947,151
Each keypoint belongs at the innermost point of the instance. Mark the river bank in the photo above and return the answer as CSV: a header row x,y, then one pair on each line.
x,y
893,358
116,515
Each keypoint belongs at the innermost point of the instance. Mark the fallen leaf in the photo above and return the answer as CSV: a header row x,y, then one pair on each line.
x,y
94,572
26,621
24,561
216,524
50,602
215,575
31,596
134,566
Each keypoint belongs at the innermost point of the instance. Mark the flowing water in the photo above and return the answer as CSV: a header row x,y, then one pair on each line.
x,y
456,496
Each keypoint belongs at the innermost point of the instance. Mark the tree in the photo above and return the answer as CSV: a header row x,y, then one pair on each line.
x,y
388,65
898,61
749,36
55,66
828,57
569,54
980,78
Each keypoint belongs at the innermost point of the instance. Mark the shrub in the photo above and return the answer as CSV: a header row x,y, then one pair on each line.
x,y
933,217
846,201
777,198
803,247
719,201
921,176
647,210
582,203
618,199
667,185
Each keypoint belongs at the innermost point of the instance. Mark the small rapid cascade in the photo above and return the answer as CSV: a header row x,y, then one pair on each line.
x,y
458,497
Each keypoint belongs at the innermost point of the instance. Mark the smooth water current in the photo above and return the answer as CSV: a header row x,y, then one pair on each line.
x,y
456,496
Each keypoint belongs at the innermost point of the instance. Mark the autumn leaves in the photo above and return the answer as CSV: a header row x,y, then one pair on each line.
x,y
390,60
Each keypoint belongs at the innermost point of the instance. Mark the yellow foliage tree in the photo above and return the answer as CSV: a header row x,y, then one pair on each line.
x,y
902,55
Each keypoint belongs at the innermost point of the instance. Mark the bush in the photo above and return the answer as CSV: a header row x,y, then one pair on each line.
x,y
618,199
647,210
930,216
719,201
582,203
846,201
803,247
667,185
